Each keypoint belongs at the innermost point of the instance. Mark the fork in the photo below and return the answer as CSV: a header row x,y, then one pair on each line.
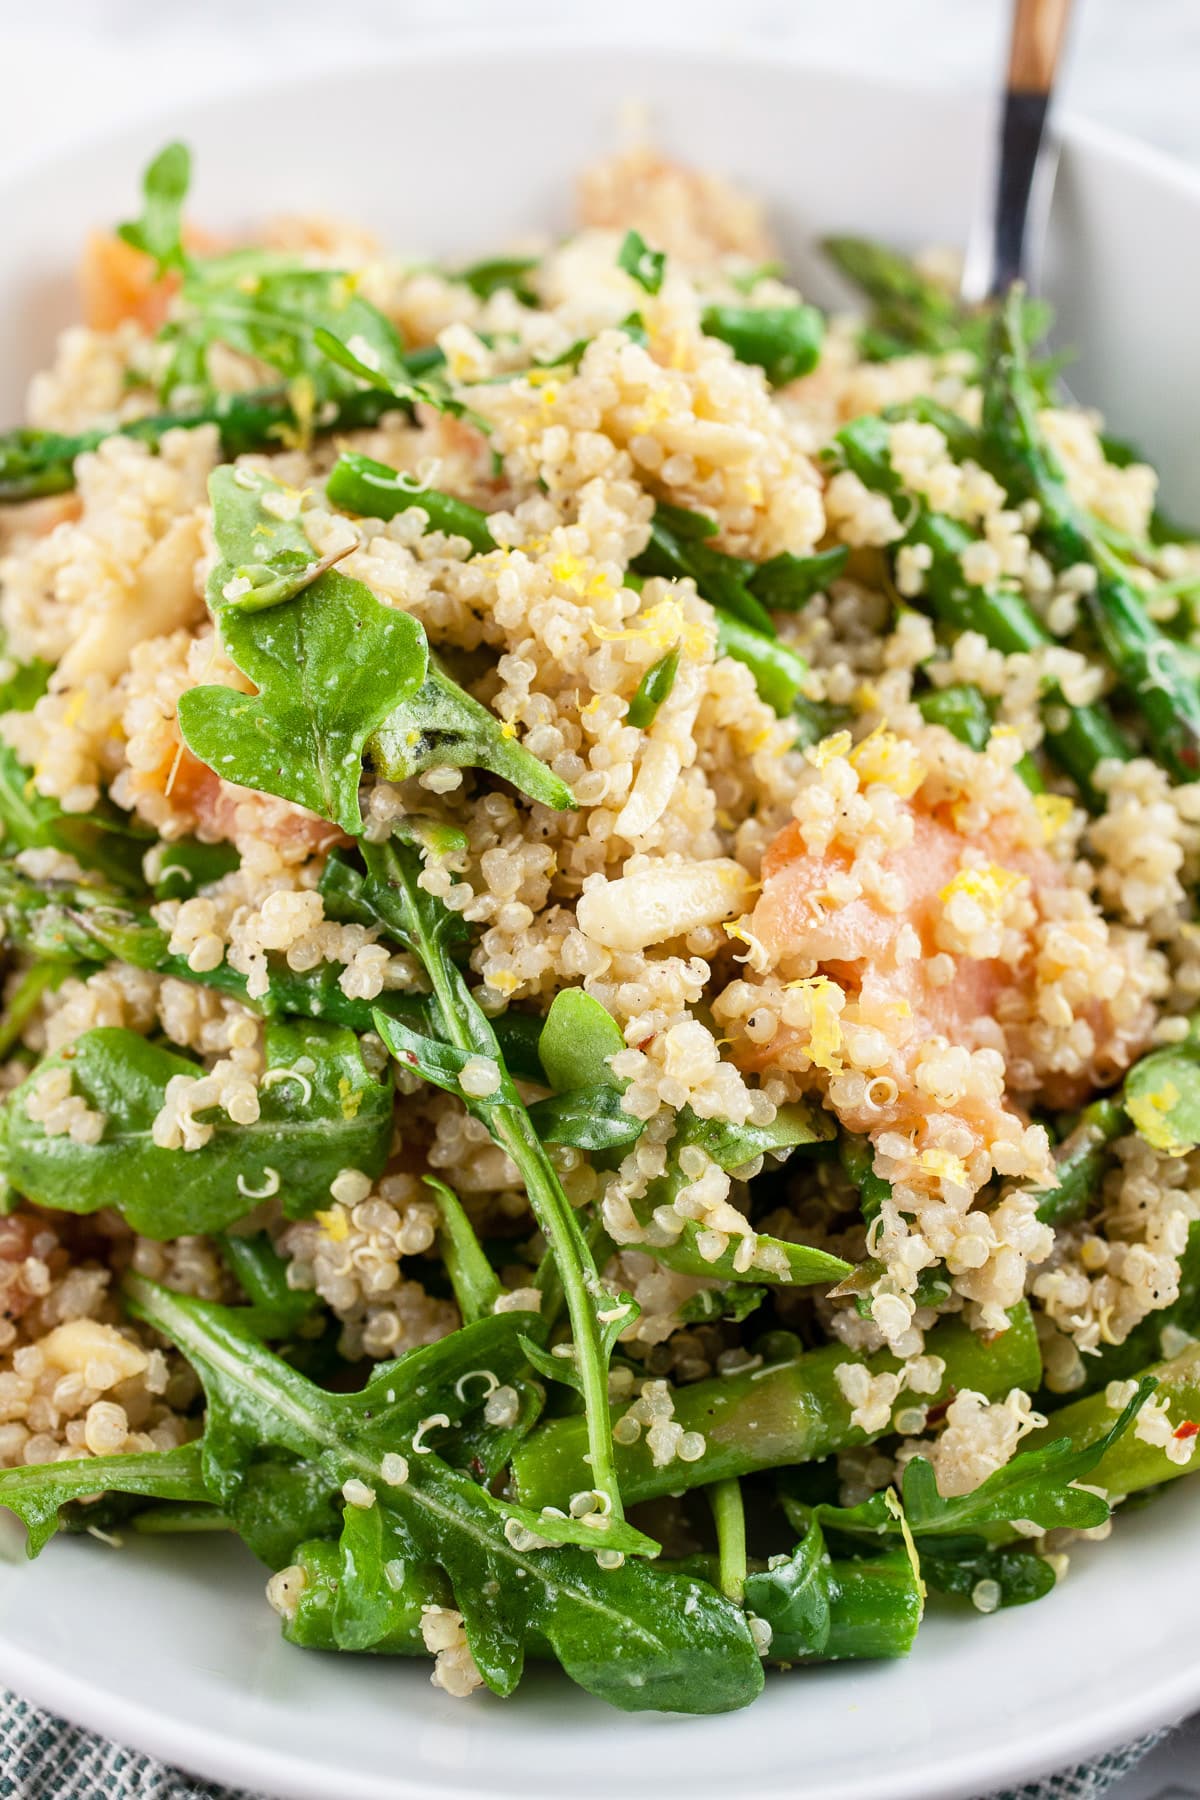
x,y
998,252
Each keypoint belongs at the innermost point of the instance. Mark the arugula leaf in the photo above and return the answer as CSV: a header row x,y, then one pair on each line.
x,y
405,379
329,665
339,674
321,1110
159,230
21,1002
635,1637
269,307
279,1311
795,1126
1020,1575
677,548
498,272
36,1491
475,1283
731,1147
442,1065
590,1118
730,1302
784,341
441,726
104,840
821,1608
738,591
428,929
578,1039
185,866
1038,1485
361,1592
24,685
786,582
646,266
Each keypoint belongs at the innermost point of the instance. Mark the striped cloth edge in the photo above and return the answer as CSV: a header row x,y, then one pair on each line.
x,y
46,1758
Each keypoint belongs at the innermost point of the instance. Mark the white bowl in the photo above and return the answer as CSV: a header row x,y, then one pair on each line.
x,y
171,1646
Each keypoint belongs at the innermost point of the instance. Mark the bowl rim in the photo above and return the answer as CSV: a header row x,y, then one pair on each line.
x,y
131,1722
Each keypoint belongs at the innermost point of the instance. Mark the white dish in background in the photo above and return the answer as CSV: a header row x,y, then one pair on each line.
x,y
171,1647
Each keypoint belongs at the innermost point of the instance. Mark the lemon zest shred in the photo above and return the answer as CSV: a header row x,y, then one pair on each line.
x,y
75,707
1149,1114
944,1165
1054,811
757,956
334,1224
884,758
661,627
989,887
824,1023
836,744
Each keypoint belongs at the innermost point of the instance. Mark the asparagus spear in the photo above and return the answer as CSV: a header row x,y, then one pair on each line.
x,y
766,1418
1149,664
910,311
36,463
962,711
1078,737
1080,1161
358,484
63,922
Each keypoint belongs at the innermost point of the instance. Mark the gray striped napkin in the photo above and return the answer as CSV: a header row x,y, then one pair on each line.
x,y
44,1758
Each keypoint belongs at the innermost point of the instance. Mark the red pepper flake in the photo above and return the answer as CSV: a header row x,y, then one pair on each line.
x,y
1189,1429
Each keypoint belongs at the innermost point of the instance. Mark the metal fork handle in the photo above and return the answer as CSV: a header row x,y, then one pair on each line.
x,y
1038,32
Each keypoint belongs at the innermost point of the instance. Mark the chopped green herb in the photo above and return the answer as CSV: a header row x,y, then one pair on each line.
x,y
646,266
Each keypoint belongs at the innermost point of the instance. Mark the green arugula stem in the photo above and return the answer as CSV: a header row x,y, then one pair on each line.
x,y
729,1517
466,1027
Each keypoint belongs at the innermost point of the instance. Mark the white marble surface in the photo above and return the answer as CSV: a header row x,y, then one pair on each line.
x,y
69,67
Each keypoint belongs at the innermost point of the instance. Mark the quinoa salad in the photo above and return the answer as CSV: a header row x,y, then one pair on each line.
x,y
601,1016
